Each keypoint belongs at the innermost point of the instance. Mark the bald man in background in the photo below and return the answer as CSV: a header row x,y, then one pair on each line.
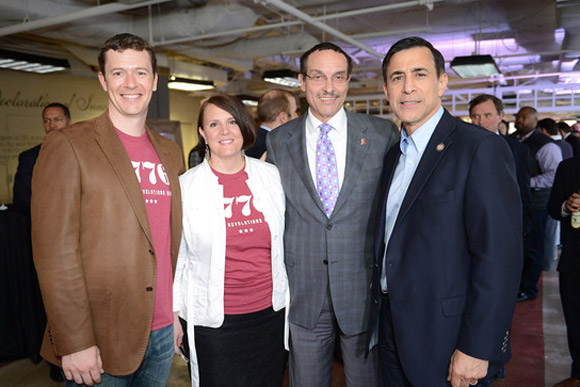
x,y
54,116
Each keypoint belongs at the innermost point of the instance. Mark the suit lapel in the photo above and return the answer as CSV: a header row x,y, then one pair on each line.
x,y
438,145
115,152
390,163
356,152
296,143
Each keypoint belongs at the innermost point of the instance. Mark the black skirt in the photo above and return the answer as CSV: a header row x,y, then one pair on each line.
x,y
247,350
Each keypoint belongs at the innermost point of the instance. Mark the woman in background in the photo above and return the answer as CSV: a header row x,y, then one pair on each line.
x,y
230,283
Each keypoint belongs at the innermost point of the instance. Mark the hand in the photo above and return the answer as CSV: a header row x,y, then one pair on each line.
x,y
465,370
573,203
84,367
177,333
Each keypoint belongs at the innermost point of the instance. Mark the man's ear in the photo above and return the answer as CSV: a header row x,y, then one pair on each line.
x,y
283,117
386,91
302,85
103,81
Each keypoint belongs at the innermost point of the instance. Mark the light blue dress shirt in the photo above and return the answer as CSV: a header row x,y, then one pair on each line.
x,y
412,148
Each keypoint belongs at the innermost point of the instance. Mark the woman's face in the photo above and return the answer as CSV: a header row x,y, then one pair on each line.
x,y
221,133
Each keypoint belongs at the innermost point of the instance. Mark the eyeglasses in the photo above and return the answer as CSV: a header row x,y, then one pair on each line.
x,y
337,79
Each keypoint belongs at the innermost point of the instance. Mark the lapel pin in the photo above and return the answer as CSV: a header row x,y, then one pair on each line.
x,y
363,141
440,147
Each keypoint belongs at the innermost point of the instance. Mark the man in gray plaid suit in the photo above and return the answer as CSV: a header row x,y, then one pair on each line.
x,y
328,241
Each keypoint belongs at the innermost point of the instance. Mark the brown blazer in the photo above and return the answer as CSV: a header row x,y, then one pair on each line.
x,y
92,244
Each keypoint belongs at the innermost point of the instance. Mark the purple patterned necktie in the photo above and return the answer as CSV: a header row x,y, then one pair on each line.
x,y
326,172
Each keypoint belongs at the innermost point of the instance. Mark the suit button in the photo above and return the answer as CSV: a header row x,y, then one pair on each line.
x,y
149,289
325,261
150,251
329,227
376,301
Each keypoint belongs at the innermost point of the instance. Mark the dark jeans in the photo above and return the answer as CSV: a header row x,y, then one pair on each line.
x,y
153,371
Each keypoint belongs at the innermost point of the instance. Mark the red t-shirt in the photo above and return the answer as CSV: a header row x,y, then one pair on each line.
x,y
248,271
157,196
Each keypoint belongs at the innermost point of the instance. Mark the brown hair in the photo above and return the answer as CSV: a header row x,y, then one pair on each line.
x,y
484,98
272,103
238,110
122,42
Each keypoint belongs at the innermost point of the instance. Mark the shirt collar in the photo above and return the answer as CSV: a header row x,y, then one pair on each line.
x,y
523,138
422,135
337,121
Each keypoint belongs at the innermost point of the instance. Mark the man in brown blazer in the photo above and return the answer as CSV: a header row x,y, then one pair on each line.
x,y
106,226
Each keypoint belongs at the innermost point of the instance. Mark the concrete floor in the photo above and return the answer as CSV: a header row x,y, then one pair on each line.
x,y
24,373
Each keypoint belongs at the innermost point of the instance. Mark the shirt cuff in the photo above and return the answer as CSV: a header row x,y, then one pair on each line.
x,y
565,213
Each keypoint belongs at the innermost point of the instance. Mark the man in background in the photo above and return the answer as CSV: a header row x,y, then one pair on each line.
x,y
544,158
486,111
567,135
54,116
106,228
550,128
275,108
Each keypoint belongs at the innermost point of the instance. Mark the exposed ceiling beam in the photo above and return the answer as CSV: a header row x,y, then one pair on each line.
x,y
336,33
332,16
324,27
75,16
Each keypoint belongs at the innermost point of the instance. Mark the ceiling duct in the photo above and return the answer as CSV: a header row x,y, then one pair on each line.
x,y
239,55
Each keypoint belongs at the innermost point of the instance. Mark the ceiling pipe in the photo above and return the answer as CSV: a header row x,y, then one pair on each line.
x,y
339,15
324,27
75,16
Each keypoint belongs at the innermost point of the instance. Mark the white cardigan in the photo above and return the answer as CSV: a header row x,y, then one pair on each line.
x,y
198,289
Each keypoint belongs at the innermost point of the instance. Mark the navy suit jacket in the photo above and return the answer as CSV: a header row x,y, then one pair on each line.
x,y
575,142
259,147
521,155
566,182
23,178
454,258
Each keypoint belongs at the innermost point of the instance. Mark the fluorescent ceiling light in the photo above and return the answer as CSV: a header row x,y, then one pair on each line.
x,y
282,77
474,66
248,100
185,84
20,61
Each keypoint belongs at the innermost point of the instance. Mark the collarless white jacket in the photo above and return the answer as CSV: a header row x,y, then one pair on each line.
x,y
198,289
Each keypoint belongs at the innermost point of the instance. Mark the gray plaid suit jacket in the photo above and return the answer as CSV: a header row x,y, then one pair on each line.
x,y
335,252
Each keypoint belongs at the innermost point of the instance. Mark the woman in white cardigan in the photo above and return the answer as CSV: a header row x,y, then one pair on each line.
x,y
230,283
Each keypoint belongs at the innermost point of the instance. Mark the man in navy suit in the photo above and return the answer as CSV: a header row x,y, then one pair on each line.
x,y
449,246
486,111
54,116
